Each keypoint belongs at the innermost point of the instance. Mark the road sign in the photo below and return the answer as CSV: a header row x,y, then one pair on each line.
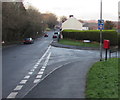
x,y
101,24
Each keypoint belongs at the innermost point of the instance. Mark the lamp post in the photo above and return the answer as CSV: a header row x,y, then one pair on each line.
x,y
101,32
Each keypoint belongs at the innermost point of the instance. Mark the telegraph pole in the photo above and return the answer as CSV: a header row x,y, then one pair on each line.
x,y
101,31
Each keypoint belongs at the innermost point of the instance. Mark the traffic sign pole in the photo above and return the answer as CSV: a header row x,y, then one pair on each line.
x,y
101,33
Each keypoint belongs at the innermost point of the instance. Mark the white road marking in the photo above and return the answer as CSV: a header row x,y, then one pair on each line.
x,y
19,87
45,63
40,73
38,76
51,41
35,67
23,81
44,54
36,80
41,60
30,73
42,69
32,70
27,77
12,95
90,51
37,63
47,59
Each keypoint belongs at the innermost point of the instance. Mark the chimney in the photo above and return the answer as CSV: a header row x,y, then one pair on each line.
x,y
71,16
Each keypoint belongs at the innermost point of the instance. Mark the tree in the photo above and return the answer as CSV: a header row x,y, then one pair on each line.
x,y
13,20
63,19
50,19
34,23
109,25
19,23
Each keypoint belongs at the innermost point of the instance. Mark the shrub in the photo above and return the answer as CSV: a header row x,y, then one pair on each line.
x,y
92,35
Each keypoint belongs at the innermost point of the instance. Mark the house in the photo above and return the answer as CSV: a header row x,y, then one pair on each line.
x,y
91,26
72,24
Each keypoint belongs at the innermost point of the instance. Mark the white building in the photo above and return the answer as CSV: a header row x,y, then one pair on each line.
x,y
85,28
72,24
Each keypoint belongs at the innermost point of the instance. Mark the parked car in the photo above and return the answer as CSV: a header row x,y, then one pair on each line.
x,y
45,35
28,41
55,35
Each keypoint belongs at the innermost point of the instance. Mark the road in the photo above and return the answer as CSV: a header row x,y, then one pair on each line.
x,y
18,60
41,71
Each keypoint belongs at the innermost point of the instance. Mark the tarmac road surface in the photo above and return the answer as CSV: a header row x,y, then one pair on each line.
x,y
40,70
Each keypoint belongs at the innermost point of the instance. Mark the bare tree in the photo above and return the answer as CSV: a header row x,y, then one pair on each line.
x,y
50,19
34,22
63,19
19,22
13,20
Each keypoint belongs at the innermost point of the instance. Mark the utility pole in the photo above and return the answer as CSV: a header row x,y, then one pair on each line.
x,y
101,31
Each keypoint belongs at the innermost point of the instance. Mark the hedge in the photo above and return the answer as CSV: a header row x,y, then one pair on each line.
x,y
92,35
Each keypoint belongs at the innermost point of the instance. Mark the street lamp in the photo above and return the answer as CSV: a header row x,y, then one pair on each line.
x,y
101,32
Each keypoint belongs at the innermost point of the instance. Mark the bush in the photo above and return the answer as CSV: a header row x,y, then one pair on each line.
x,y
92,35
119,40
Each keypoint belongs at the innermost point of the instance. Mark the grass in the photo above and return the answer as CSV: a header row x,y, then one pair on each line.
x,y
102,80
78,43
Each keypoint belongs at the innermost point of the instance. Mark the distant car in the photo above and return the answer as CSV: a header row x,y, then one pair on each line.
x,y
28,41
45,35
55,35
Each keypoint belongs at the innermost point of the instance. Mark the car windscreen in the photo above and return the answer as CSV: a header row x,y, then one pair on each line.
x,y
56,33
27,39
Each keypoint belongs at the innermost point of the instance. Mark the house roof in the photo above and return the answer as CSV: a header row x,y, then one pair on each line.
x,y
72,23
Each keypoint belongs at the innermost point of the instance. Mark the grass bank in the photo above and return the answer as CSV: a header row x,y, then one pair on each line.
x,y
102,80
78,43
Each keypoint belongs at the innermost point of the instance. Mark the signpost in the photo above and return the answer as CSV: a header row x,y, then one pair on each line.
x,y
101,24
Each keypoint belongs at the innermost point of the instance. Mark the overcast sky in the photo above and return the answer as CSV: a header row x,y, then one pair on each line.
x,y
81,9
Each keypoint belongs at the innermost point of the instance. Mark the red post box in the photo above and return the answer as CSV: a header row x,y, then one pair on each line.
x,y
106,44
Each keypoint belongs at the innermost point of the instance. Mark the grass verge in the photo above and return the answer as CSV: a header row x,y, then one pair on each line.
x,y
102,80
87,30
78,43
